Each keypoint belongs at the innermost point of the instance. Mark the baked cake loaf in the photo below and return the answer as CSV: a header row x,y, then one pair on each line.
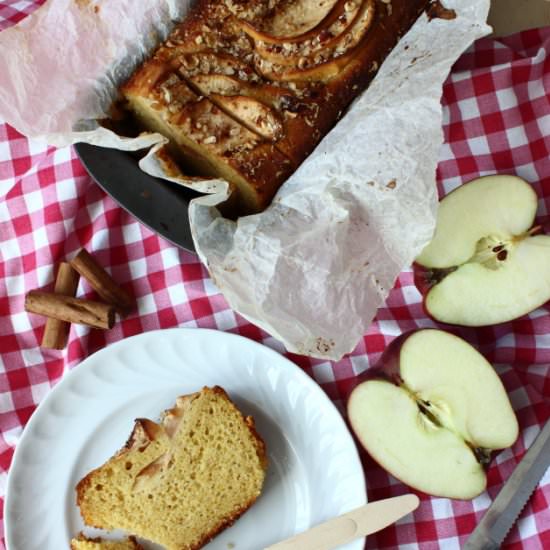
x,y
181,481
84,543
245,89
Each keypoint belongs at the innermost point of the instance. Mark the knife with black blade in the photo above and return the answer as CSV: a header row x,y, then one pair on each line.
x,y
505,509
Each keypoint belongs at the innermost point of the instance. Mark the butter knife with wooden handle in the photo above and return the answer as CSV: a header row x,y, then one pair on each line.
x,y
358,523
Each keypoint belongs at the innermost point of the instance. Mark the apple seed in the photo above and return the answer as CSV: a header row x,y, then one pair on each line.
x,y
502,255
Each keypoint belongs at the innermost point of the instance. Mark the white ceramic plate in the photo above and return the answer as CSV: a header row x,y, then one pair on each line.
x,y
314,471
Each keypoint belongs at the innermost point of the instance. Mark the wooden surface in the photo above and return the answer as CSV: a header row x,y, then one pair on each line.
x,y
509,16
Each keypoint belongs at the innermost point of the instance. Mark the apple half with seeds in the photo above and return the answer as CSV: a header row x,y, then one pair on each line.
x,y
486,264
432,412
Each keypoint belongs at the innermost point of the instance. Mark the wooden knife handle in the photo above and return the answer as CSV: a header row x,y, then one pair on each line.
x,y
359,522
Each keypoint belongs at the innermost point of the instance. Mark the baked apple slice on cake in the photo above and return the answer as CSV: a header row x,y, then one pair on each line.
x,y
294,124
291,18
284,50
322,57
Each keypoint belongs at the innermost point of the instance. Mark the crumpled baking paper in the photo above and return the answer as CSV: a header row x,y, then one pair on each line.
x,y
314,267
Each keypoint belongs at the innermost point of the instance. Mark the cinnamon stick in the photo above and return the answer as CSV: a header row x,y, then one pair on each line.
x,y
102,282
56,332
70,310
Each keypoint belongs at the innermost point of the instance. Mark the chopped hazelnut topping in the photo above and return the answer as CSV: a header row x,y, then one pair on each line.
x,y
190,62
171,80
166,96
174,107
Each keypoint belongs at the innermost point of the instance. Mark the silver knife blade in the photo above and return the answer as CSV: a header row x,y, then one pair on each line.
x,y
505,509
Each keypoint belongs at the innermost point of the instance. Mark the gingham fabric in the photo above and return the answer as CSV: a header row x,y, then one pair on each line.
x,y
496,119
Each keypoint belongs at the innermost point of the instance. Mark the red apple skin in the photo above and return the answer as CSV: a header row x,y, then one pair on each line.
x,y
423,284
387,367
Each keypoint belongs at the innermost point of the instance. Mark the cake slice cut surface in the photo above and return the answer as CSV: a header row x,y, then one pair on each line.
x,y
179,482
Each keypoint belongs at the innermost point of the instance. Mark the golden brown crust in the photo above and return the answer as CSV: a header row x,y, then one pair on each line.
x,y
81,488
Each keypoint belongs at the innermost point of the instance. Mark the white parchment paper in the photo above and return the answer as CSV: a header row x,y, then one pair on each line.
x,y
314,267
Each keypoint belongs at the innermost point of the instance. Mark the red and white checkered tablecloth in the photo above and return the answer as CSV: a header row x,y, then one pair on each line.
x,y
496,119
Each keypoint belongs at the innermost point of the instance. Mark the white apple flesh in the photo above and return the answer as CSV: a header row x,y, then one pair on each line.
x,y
432,413
486,264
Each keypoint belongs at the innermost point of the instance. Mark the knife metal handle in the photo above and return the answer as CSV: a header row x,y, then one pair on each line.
x,y
357,523
481,543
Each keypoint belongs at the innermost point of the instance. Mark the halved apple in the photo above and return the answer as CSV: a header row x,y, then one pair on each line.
x,y
432,412
486,263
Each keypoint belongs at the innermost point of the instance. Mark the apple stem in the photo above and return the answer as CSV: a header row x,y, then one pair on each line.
x,y
533,231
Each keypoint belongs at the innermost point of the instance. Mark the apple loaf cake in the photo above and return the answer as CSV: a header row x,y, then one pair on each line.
x,y
181,481
245,89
